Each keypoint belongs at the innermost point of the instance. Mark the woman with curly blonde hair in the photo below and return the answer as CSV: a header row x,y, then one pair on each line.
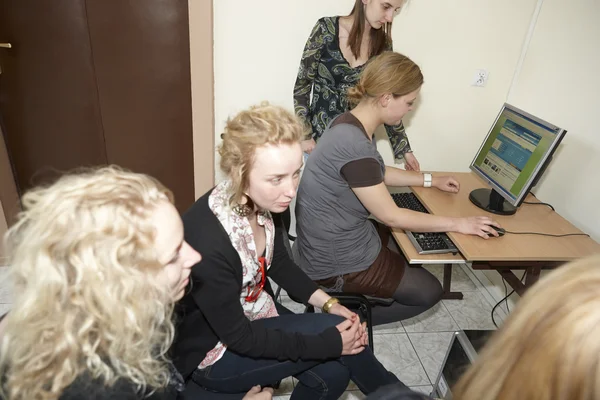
x,y
232,334
97,261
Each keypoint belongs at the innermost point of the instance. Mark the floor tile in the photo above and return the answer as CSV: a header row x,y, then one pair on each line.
x,y
425,389
274,286
352,386
6,296
394,327
436,319
291,305
472,312
4,308
460,281
431,349
285,387
486,287
397,354
353,395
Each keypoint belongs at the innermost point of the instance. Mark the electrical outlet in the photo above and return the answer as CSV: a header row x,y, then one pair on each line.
x,y
480,77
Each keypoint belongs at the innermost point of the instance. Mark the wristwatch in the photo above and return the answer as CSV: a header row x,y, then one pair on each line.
x,y
427,180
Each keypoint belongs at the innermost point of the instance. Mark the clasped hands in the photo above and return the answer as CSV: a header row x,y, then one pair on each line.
x,y
353,332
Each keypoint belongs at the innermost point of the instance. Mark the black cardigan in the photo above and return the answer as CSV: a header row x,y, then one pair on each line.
x,y
211,310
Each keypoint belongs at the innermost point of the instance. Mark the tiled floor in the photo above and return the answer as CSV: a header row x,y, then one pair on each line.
x,y
5,291
412,349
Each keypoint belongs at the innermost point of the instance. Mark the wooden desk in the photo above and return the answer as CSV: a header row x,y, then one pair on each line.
x,y
509,252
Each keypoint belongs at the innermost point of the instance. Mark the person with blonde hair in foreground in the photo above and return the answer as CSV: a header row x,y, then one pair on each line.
x,y
97,261
549,347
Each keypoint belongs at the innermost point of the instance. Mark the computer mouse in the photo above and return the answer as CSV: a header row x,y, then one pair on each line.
x,y
500,231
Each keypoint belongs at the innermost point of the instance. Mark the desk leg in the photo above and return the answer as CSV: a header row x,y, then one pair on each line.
x,y
449,295
533,274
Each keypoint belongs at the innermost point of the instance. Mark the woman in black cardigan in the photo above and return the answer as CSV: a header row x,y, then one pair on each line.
x,y
231,334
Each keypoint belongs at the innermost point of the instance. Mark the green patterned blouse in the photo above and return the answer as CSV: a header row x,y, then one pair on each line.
x,y
325,71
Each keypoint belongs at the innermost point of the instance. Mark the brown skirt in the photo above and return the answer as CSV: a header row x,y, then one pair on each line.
x,y
382,278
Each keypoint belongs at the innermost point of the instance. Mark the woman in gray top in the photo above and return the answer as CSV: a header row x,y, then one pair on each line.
x,y
344,182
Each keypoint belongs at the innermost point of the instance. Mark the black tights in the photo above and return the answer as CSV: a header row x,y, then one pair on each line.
x,y
418,291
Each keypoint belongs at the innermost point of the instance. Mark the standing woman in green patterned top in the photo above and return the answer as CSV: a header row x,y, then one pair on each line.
x,y
333,58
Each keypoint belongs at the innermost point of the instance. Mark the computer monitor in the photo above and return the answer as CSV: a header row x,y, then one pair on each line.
x,y
512,158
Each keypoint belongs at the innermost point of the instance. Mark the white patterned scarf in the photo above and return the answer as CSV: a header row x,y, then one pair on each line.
x,y
242,239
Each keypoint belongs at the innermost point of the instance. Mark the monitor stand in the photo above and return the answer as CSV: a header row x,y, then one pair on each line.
x,y
492,201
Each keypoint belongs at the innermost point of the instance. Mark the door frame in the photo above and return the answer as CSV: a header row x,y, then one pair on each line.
x,y
203,93
9,196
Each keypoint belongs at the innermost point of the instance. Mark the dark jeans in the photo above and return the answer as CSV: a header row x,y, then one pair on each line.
x,y
235,373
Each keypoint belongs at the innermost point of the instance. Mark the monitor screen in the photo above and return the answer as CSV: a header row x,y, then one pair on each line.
x,y
515,152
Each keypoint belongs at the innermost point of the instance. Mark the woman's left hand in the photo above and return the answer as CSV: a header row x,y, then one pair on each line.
x,y
411,163
446,184
342,311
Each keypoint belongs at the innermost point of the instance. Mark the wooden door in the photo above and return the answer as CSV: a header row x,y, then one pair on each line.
x,y
91,82
142,59
48,95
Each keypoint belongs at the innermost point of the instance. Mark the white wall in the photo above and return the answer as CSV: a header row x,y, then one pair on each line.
x,y
450,40
257,51
258,46
560,82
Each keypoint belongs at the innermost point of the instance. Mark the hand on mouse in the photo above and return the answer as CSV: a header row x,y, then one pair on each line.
x,y
480,226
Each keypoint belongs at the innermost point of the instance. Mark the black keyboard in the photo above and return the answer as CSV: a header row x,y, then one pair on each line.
x,y
424,242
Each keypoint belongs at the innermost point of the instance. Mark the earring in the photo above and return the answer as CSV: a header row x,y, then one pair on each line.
x,y
243,210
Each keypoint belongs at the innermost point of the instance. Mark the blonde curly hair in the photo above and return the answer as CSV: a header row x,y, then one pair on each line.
x,y
87,302
252,128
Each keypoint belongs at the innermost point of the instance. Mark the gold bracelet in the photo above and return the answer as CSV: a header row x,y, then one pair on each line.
x,y
329,303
